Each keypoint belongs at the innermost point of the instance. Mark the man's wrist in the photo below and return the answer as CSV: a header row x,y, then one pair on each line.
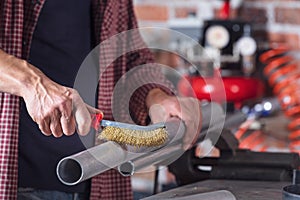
x,y
155,96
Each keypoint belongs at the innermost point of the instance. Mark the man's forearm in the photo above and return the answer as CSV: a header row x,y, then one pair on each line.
x,y
17,76
55,108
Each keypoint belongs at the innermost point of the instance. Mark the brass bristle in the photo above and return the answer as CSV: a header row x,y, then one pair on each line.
x,y
137,138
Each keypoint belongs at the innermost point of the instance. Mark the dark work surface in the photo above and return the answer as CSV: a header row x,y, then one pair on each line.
x,y
242,190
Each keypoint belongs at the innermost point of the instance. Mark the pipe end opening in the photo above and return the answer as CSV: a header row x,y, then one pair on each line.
x,y
69,171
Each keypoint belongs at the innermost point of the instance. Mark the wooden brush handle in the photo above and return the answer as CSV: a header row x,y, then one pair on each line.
x,y
96,119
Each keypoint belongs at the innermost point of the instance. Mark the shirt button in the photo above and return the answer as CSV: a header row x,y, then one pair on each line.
x,y
24,43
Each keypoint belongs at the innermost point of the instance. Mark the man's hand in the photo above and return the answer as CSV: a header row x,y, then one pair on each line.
x,y
162,106
56,109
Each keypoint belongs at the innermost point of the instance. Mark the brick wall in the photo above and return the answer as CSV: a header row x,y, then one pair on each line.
x,y
282,19
273,20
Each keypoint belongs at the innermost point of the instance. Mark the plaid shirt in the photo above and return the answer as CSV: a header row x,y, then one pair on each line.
x,y
17,23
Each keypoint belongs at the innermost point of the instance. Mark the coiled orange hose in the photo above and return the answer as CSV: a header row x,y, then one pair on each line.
x,y
284,77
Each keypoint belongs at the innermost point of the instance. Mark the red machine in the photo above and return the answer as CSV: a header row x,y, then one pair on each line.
x,y
232,51
237,89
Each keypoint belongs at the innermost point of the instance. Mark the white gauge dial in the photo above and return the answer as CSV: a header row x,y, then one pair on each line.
x,y
247,46
217,36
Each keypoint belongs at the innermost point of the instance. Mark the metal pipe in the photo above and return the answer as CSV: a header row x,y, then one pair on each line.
x,y
76,168
163,156
86,164
212,113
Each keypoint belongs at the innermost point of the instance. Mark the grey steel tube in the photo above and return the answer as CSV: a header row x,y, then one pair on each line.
x,y
163,156
173,148
76,168
86,164
212,116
